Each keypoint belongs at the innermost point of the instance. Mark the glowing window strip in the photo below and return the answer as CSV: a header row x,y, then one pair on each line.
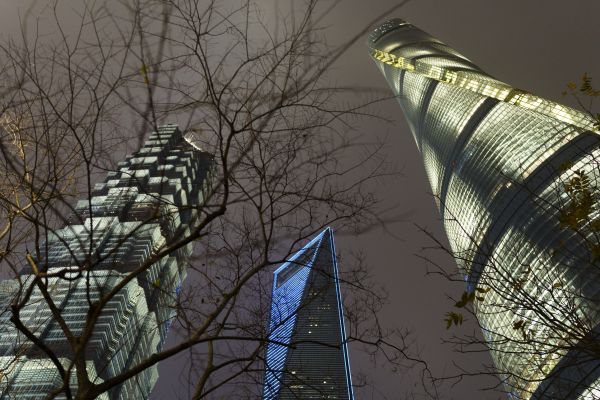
x,y
496,90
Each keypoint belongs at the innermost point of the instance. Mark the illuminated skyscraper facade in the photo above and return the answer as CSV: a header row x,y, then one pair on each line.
x,y
151,200
307,356
498,161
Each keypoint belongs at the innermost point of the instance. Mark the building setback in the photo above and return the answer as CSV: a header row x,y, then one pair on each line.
x,y
307,356
151,200
498,159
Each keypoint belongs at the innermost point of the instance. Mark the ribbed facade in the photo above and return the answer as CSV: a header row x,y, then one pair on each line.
x,y
307,356
497,159
151,200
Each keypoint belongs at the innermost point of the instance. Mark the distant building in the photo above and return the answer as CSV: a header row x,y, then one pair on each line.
x,y
150,200
307,356
497,159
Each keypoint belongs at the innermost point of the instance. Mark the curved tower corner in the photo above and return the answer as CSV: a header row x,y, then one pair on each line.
x,y
497,159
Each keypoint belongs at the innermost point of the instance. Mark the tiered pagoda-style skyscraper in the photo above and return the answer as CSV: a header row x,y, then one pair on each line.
x,y
150,201
307,356
509,171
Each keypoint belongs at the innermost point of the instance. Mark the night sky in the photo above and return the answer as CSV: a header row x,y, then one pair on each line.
x,y
535,45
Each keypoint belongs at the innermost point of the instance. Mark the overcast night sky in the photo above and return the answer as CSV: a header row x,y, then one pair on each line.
x,y
535,45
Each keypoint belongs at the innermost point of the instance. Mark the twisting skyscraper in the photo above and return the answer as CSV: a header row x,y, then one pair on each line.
x,y
149,202
307,356
515,178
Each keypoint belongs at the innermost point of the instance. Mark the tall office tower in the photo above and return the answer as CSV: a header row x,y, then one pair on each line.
x,y
515,178
150,201
307,356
